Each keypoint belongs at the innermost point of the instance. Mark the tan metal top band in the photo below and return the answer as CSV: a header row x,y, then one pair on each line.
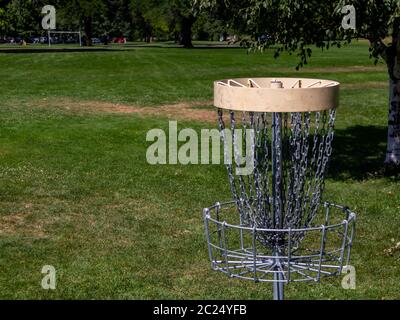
x,y
276,94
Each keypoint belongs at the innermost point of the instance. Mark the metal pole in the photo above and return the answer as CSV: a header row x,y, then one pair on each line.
x,y
277,198
278,291
277,193
277,181
277,172
48,37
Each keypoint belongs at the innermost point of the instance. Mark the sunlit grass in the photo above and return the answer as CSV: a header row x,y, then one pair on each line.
x,y
76,191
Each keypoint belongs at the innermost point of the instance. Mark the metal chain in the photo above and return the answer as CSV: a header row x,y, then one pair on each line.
x,y
301,161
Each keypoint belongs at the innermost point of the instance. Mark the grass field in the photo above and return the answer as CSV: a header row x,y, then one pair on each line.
x,y
77,193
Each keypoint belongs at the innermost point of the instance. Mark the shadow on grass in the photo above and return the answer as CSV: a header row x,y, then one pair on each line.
x,y
181,47
358,153
111,49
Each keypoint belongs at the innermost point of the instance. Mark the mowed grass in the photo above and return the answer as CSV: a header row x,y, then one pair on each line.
x,y
77,193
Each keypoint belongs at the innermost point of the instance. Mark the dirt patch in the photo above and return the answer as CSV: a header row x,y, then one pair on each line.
x,y
185,111
3,152
179,111
19,223
192,111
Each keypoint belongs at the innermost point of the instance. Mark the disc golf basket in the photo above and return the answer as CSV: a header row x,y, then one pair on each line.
x,y
277,229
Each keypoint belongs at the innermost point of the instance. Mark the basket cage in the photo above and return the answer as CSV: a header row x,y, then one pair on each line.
x,y
277,228
235,249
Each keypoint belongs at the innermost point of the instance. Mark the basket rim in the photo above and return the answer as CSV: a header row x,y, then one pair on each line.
x,y
351,218
261,95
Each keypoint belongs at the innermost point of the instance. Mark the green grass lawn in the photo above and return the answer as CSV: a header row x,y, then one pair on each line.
x,y
77,193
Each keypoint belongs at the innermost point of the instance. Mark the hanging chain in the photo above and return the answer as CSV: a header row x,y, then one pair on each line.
x,y
295,168
325,151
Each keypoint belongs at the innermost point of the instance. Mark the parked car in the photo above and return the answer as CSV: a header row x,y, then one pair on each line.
x,y
70,40
264,37
119,40
96,41
33,40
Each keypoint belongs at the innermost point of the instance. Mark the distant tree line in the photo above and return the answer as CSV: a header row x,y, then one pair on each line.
x,y
144,20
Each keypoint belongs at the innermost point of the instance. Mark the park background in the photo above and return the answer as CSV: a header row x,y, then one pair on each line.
x,y
77,193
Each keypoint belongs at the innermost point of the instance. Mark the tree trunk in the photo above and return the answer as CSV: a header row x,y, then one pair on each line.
x,y
186,31
393,144
87,24
148,30
393,62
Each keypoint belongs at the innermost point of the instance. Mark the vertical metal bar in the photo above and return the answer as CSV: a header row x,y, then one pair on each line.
x,y
217,208
210,254
225,249
327,213
289,254
277,198
273,164
346,225
254,255
241,232
350,244
322,250
276,288
278,280
277,169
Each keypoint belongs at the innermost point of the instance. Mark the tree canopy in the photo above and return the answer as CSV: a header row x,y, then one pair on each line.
x,y
295,26
178,20
298,26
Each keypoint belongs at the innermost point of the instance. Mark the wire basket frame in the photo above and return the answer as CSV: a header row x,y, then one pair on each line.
x,y
235,250
282,232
